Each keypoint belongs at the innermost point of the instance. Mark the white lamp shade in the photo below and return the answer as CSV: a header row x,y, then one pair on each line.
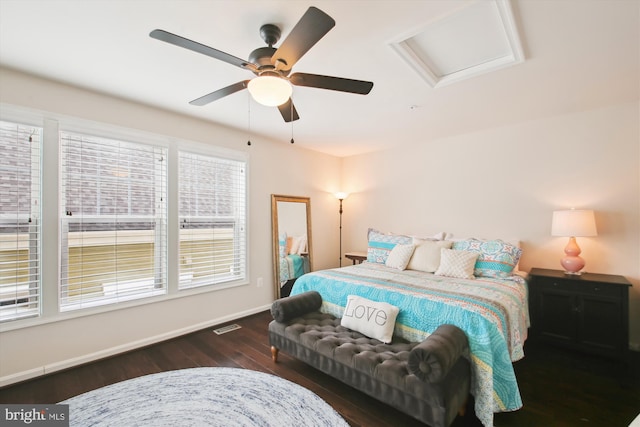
x,y
341,195
573,223
269,90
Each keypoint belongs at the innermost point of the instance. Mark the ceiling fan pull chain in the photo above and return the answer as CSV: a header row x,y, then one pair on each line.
x,y
291,109
249,119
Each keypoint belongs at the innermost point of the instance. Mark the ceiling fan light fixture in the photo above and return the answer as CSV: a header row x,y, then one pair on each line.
x,y
270,90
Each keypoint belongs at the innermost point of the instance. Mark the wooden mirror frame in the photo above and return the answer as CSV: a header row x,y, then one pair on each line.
x,y
275,199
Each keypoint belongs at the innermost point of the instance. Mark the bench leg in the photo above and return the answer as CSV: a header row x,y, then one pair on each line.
x,y
463,409
274,354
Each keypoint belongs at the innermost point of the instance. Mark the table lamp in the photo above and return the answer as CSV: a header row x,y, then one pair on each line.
x,y
573,223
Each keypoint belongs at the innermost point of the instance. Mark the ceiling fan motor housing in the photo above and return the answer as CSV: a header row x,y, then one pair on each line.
x,y
262,57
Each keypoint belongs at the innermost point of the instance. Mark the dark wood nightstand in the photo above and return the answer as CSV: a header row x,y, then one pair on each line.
x,y
356,257
589,312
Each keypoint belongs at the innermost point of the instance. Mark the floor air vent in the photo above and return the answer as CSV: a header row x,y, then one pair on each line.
x,y
225,329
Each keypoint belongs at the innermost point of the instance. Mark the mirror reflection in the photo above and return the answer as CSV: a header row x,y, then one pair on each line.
x,y
291,226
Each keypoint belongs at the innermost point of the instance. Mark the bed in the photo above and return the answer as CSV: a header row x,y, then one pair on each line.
x,y
293,266
490,305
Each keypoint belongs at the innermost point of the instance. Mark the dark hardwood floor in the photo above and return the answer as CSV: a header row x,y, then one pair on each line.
x,y
558,388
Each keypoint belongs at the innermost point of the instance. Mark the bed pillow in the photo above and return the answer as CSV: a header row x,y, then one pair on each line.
x,y
512,241
455,263
371,318
496,258
303,245
426,255
282,245
399,256
287,249
380,245
438,236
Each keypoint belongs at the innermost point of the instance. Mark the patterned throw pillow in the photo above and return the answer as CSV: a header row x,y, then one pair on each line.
x,y
399,256
371,318
282,245
495,257
380,245
454,263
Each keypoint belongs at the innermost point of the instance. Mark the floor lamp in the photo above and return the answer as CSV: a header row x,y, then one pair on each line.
x,y
341,196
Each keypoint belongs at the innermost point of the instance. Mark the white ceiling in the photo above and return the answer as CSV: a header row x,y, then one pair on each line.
x,y
579,55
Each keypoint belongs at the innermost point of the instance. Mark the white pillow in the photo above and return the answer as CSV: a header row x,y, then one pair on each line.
x,y
302,245
399,256
371,318
298,245
458,264
438,236
426,255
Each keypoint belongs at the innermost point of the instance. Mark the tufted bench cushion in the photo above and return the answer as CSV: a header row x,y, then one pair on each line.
x,y
428,380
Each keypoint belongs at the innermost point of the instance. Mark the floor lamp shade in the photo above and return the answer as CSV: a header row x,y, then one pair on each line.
x,y
573,223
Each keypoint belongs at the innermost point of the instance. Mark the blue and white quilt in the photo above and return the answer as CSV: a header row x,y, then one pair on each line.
x,y
493,313
293,266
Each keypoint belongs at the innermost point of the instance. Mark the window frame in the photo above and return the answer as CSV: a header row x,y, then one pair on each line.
x,y
239,269
52,124
111,173
34,252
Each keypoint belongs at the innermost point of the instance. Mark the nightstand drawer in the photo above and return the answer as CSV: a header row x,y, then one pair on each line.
x,y
603,289
590,288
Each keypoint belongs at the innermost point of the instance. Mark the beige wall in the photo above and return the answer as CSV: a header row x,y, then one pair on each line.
x,y
501,182
30,351
505,183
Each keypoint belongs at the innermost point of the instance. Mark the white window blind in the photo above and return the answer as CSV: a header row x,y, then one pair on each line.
x,y
212,215
113,221
20,172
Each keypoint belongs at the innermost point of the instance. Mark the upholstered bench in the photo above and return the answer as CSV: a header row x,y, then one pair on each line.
x,y
427,380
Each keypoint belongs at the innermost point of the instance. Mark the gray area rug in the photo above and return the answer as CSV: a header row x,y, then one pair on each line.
x,y
203,397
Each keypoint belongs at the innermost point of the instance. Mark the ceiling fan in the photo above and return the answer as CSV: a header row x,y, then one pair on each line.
x,y
272,66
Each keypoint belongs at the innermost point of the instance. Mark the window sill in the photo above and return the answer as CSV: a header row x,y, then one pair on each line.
x,y
91,311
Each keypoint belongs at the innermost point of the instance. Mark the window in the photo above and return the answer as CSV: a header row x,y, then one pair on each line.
x,y
212,215
113,221
20,243
112,199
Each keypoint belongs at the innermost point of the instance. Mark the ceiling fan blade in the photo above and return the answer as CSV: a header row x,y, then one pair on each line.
x,y
313,25
288,111
179,41
220,93
332,83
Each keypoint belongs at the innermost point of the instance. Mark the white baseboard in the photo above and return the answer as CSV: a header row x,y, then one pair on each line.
x,y
21,376
112,351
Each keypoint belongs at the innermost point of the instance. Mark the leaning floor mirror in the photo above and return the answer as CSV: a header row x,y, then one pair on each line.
x,y
292,248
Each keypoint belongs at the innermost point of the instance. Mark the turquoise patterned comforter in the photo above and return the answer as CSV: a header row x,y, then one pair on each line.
x,y
492,312
293,266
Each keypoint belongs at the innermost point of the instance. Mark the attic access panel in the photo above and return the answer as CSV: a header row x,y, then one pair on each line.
x,y
477,38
